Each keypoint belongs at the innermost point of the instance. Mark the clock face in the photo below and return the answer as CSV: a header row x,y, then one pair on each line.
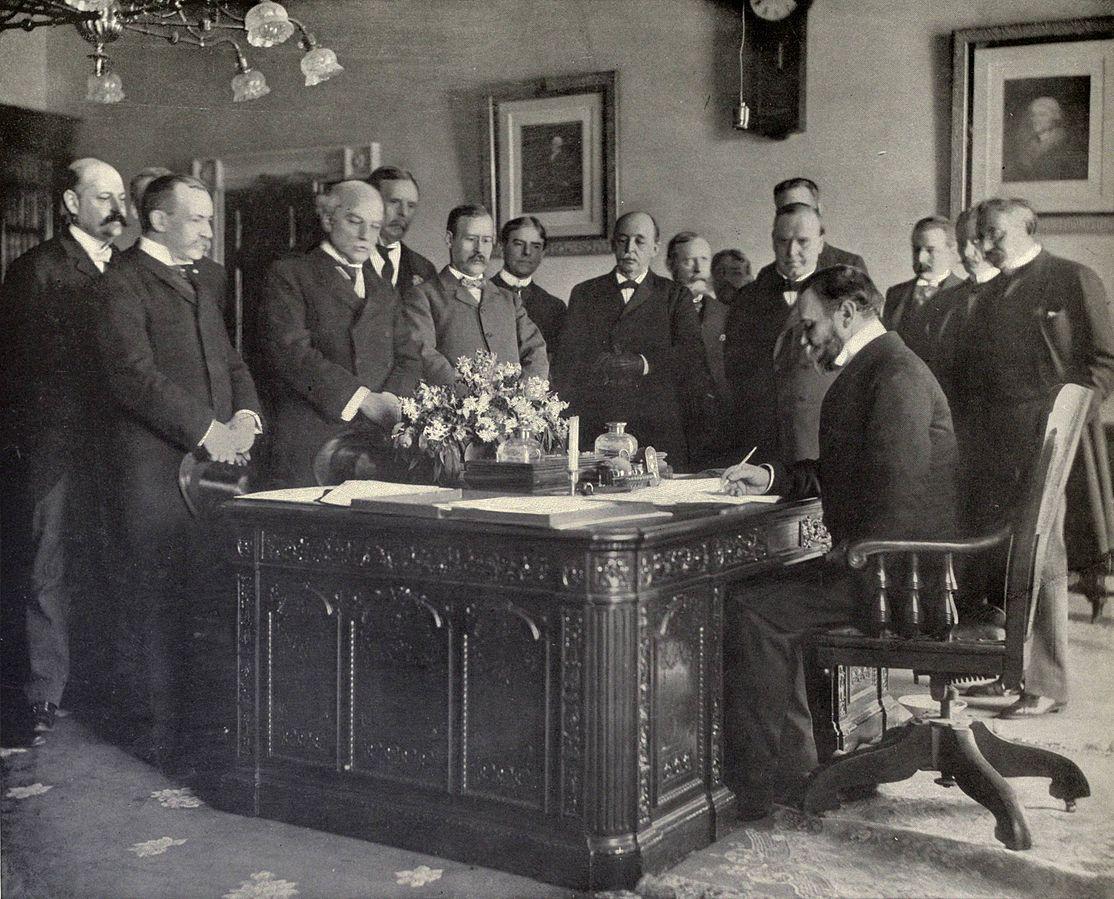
x,y
773,10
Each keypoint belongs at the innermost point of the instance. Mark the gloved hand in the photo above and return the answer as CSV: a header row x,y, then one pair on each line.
x,y
804,479
618,369
381,408
220,443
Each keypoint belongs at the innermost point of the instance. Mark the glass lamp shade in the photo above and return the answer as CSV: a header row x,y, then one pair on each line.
x,y
320,64
90,5
249,85
267,24
104,88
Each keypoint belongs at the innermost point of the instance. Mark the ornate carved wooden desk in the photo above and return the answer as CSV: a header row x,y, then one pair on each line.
x,y
540,701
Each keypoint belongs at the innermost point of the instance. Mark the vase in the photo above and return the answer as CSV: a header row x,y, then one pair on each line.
x,y
522,447
616,443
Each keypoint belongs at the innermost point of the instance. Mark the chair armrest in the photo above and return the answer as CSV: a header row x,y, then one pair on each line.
x,y
858,553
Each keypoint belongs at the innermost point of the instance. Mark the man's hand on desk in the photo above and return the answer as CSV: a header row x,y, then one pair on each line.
x,y
382,408
745,479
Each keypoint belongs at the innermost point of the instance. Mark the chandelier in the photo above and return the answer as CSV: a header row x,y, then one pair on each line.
x,y
195,23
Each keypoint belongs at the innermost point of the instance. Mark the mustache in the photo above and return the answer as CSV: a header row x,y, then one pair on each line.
x,y
116,216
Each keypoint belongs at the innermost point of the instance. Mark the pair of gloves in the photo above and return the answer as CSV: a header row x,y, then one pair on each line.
x,y
618,369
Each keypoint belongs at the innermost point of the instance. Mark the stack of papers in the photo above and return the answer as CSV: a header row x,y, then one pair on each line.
x,y
687,491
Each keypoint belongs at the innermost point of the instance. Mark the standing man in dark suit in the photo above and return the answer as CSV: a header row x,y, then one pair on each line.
x,y
333,336
631,350
458,312
887,462
524,242
175,386
393,260
777,390
1041,321
909,308
804,190
45,306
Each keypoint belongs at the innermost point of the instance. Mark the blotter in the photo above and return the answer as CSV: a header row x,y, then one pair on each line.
x,y
548,511
371,490
688,491
429,504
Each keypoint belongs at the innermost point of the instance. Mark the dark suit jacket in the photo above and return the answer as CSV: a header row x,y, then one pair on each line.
x,y
887,448
170,371
545,310
901,314
1007,365
659,323
831,255
323,343
713,332
776,388
47,370
413,269
447,322
945,319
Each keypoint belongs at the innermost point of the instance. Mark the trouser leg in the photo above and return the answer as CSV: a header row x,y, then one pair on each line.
x,y
48,606
1046,670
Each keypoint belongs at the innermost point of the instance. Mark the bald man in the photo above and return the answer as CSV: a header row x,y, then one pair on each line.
x,y
631,351
46,371
332,335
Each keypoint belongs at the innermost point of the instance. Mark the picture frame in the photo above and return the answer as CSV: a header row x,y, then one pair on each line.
x,y
550,152
1033,116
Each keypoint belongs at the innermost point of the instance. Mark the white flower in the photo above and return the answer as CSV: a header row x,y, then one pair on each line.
x,y
408,407
154,847
419,876
435,430
26,792
263,886
182,798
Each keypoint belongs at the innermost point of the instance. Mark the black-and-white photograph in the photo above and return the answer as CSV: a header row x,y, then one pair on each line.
x,y
485,449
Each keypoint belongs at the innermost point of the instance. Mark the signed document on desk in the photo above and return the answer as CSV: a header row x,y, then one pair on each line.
x,y
684,491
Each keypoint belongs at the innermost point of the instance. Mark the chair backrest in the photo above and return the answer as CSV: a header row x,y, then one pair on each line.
x,y
1038,515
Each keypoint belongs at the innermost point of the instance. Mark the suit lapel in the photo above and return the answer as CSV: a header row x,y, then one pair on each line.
x,y
642,294
336,282
169,276
78,257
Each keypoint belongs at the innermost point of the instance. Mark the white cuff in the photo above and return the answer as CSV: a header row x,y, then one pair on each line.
x,y
254,417
770,469
645,365
349,411
208,431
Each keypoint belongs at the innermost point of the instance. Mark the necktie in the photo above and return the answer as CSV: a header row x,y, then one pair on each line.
x,y
472,283
189,273
355,274
923,291
388,273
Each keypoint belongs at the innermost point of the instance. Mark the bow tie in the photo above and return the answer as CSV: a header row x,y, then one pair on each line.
x,y
472,283
788,285
626,284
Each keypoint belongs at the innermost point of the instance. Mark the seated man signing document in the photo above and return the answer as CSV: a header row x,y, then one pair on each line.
x,y
887,461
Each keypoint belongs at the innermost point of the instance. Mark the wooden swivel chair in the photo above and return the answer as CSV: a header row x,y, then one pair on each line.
x,y
965,752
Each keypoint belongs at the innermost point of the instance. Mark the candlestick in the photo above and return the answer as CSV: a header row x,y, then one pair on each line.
x,y
574,443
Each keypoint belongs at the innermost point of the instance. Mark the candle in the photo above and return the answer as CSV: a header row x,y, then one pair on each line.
x,y
574,443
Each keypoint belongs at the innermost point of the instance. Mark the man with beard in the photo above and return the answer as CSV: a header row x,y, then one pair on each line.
x,y
394,261
1042,321
459,312
47,376
886,468
908,307
524,242
175,386
631,351
777,390
334,336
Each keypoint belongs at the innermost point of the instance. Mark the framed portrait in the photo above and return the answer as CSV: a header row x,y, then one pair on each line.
x,y
1033,116
550,153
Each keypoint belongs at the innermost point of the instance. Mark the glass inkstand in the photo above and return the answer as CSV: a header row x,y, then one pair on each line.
x,y
615,443
523,447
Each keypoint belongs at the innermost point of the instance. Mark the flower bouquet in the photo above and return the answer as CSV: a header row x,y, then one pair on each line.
x,y
486,405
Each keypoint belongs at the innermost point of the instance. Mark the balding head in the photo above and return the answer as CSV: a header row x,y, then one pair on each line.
x,y
635,243
94,198
351,215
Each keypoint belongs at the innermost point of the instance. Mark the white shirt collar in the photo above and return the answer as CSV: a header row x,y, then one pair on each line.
x,y
158,251
620,277
97,250
335,253
460,276
1025,258
934,282
514,280
391,248
871,331
984,275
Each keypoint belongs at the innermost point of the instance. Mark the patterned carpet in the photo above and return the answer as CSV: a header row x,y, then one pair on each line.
x,y
80,817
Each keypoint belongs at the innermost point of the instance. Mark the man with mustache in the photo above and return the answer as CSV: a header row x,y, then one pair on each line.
x,y
909,308
631,350
886,469
393,261
1042,321
333,336
460,312
45,309
175,385
777,390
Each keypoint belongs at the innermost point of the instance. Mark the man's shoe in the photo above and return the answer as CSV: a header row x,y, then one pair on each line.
x,y
993,689
43,714
754,810
1030,705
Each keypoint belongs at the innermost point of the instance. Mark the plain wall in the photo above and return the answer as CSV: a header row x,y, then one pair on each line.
x,y
877,138
23,73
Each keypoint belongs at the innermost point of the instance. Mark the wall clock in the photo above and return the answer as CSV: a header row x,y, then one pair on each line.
x,y
772,64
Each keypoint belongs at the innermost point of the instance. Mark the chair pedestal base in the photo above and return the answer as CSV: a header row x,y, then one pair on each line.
x,y
964,752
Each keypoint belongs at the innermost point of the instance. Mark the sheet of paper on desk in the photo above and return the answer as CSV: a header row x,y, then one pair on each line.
x,y
546,511
289,495
350,490
675,492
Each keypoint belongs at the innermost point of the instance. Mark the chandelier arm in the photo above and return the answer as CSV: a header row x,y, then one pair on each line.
x,y
174,37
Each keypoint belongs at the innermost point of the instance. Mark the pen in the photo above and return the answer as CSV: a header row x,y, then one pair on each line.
x,y
746,458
